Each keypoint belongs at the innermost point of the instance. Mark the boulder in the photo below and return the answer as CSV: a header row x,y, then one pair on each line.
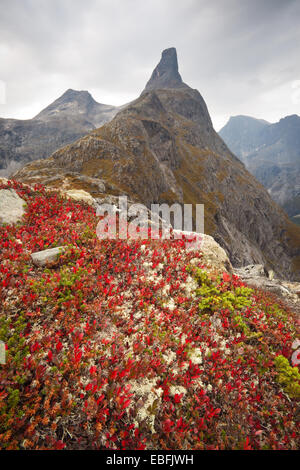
x,y
11,207
257,276
251,271
46,257
214,256
80,195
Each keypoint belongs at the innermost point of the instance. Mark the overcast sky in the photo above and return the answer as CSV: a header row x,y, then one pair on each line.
x,y
242,55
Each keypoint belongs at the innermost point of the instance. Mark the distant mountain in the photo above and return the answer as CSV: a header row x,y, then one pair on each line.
x,y
271,152
241,134
69,117
162,148
78,103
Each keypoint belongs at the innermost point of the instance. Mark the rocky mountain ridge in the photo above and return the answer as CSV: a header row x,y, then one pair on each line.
x,y
166,74
271,152
71,116
162,148
80,103
241,133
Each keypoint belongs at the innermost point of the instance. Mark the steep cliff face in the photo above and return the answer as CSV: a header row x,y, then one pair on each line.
x,y
165,74
69,117
271,153
163,148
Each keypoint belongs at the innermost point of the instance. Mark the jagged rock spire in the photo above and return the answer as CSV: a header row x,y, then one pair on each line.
x,y
165,74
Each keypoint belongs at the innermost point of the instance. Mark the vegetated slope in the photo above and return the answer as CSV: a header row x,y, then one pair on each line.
x,y
131,344
69,117
162,148
271,153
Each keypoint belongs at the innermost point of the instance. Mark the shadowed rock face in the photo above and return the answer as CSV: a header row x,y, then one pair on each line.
x,y
241,134
75,103
69,117
162,148
271,152
165,74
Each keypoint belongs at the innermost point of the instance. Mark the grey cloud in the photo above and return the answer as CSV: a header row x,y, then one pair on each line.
x,y
236,52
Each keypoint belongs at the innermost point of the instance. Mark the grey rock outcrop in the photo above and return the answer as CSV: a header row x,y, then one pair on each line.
x,y
69,117
165,74
214,256
11,207
241,134
259,277
47,257
271,152
78,103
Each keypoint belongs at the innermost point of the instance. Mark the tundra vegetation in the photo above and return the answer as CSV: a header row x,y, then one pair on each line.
x,y
133,344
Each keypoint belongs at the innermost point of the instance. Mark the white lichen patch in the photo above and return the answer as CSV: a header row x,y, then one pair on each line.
x,y
183,338
171,305
138,315
177,390
195,261
208,352
147,265
107,334
165,290
195,355
146,389
190,287
169,357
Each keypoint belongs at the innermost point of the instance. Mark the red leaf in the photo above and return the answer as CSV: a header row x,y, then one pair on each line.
x,y
226,277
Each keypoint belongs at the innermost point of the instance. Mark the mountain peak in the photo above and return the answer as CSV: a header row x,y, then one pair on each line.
x,y
71,94
165,74
75,104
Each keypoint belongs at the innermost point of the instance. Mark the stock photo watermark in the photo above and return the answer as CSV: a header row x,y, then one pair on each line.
x,y
162,221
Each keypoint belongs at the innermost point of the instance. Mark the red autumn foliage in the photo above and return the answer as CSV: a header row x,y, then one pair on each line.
x,y
101,348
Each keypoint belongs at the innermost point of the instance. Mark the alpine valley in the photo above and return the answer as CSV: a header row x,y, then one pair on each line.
x,y
162,147
69,117
132,343
271,152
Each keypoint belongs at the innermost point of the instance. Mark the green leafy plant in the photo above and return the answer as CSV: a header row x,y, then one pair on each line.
x,y
213,296
288,376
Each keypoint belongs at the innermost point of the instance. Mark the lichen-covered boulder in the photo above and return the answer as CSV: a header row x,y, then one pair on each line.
x,y
46,257
214,256
11,207
80,195
251,271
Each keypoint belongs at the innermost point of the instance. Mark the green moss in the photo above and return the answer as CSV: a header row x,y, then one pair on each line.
x,y
238,319
12,334
213,298
288,376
